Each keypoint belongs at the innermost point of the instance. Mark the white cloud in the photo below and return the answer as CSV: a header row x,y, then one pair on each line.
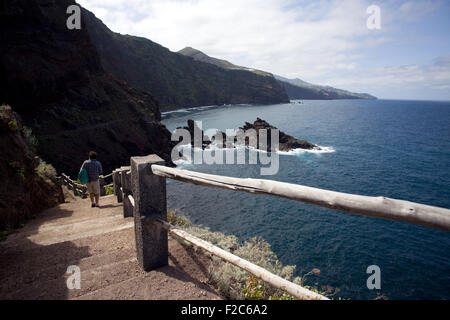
x,y
260,34
312,40
415,10
408,80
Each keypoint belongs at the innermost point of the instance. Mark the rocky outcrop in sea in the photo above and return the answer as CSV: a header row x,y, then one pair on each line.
x,y
286,142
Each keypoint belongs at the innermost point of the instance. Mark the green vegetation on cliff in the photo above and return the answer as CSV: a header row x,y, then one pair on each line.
x,y
28,184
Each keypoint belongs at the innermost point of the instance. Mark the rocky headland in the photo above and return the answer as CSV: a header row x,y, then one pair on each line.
x,y
286,142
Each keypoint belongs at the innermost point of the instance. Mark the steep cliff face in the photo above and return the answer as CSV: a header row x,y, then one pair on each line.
x,y
54,78
295,88
178,81
24,190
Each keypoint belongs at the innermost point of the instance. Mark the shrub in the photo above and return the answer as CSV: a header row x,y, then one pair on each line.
x,y
46,170
257,251
12,125
19,168
15,164
234,282
177,219
109,190
3,235
30,139
256,290
4,108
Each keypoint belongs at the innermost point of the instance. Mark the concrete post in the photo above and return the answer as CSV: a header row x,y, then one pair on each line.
x,y
117,185
149,192
126,191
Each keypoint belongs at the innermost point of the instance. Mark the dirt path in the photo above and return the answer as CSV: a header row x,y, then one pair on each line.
x,y
34,260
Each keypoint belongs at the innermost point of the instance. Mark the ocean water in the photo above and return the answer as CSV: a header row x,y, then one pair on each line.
x,y
398,149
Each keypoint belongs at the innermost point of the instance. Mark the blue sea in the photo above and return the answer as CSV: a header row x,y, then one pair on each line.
x,y
398,149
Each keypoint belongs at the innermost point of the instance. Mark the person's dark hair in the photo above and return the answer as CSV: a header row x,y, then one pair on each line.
x,y
92,155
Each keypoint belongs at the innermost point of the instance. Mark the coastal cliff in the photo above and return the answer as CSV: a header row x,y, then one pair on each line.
x,y
53,77
178,81
294,88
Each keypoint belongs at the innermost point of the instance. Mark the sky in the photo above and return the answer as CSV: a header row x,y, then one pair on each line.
x,y
324,42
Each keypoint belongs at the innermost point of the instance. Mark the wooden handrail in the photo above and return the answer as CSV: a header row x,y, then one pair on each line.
x,y
377,207
130,197
81,188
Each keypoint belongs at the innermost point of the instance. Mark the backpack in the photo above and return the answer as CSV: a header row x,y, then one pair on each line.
x,y
83,176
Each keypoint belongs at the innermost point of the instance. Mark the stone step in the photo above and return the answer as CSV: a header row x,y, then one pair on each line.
x,y
57,271
159,285
85,229
38,257
63,218
169,282
34,260
91,280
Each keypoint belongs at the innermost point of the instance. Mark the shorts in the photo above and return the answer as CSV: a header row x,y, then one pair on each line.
x,y
93,187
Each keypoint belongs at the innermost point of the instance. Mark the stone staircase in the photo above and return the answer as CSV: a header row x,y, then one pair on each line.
x,y
34,260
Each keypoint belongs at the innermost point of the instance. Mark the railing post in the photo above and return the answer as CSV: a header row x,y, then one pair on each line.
x,y
117,185
126,191
102,186
84,190
149,192
74,188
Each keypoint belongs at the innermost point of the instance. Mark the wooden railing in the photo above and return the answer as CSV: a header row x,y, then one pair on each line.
x,y
377,207
142,189
79,189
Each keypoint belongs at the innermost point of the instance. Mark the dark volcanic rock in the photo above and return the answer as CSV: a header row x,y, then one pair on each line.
x,y
53,77
24,190
286,142
194,131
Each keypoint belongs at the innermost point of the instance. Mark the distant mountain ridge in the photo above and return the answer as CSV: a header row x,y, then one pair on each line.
x,y
295,88
175,80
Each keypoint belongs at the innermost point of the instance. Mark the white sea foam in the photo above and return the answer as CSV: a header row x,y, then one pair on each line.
x,y
189,151
193,109
174,111
181,163
214,147
294,152
300,151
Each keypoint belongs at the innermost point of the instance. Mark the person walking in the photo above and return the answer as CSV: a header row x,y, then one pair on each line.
x,y
94,170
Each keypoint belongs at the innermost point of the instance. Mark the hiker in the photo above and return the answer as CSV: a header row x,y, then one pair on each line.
x,y
94,170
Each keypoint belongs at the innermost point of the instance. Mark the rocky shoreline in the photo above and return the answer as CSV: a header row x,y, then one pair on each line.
x,y
220,139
